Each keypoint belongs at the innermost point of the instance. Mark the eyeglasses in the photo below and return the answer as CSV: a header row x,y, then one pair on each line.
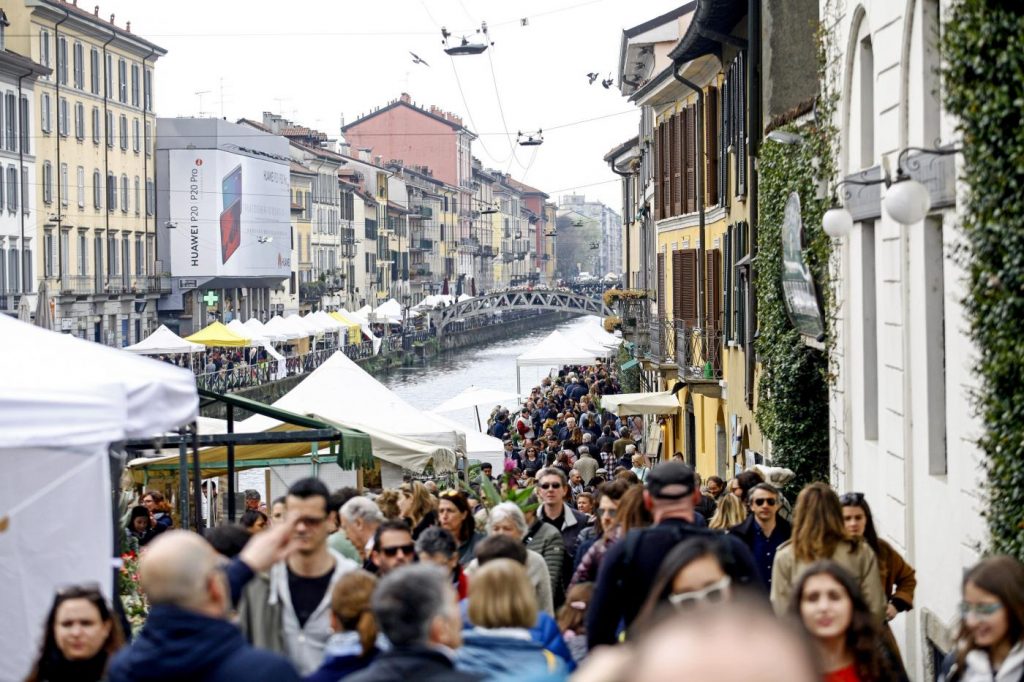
x,y
407,550
714,593
550,486
979,610
851,499
770,501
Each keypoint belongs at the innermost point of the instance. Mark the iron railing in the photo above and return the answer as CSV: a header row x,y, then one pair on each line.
x,y
698,352
246,375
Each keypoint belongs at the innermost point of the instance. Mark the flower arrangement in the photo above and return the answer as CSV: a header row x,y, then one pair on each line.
x,y
134,602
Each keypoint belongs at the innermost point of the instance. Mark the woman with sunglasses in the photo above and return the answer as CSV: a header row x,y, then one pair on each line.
x,y
990,645
696,573
818,534
455,516
829,605
81,637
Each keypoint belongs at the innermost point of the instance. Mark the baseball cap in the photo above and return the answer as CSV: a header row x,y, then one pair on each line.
x,y
671,481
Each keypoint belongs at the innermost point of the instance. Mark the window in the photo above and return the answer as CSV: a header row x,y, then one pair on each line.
x,y
135,135
83,254
96,125
111,192
110,129
126,258
24,190
112,259
150,198
47,182
79,66
135,85
44,48
147,90
123,130
139,257
12,189
14,270
108,76
63,184
25,126
148,140
80,185
44,112
48,254
97,189
62,116
11,124
138,194
62,60
124,194
94,71
122,80
79,121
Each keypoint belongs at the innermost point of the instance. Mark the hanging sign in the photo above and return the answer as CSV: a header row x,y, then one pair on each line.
x,y
800,296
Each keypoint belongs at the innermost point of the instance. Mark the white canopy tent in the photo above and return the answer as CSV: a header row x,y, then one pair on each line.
x,y
163,342
63,401
245,332
285,328
364,324
554,350
390,311
474,397
628,404
257,328
324,321
478,445
434,300
301,323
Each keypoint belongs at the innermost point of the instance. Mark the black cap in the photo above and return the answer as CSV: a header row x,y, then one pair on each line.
x,y
671,481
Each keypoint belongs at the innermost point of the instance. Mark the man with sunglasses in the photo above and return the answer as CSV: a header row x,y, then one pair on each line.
x,y
288,609
764,530
393,546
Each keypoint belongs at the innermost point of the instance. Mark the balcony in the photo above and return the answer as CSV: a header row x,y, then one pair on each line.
x,y
698,354
421,245
9,303
488,251
88,285
469,245
420,270
425,212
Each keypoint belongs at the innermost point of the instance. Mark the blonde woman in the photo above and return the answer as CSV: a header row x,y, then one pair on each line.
x,y
417,506
502,609
730,512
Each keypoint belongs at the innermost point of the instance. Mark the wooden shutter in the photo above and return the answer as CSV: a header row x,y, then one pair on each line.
x,y
713,289
677,285
661,286
677,164
711,145
691,159
659,189
723,147
741,124
666,172
688,287
727,275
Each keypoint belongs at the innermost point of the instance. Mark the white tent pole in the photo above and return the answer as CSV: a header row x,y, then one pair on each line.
x,y
479,427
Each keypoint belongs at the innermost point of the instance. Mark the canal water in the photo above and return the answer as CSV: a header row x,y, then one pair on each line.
x,y
490,366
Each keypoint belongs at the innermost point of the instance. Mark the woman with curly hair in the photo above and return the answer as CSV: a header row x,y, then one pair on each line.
x,y
828,602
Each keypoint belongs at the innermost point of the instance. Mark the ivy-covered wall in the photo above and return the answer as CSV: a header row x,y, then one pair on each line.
x,y
983,48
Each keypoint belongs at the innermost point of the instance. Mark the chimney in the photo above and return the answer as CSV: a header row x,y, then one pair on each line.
x,y
127,25
379,160
96,10
364,155
111,19
405,98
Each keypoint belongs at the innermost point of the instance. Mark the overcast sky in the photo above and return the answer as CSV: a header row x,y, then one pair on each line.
x,y
318,61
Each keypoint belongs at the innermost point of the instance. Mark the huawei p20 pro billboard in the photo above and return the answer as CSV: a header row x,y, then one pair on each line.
x,y
229,215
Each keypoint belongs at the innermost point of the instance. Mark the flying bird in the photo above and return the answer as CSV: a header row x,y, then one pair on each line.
x,y
416,59
607,82
591,77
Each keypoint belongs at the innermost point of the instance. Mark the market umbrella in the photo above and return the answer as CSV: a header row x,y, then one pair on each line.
x,y
24,310
44,316
474,397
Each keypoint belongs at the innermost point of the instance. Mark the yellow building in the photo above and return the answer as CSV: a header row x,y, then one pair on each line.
x,y
550,235
94,169
301,179
701,332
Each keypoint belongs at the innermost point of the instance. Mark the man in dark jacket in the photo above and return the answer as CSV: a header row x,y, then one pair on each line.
x,y
628,569
416,609
764,530
187,635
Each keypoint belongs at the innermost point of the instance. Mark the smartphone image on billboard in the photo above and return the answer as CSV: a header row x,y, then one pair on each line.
x,y
231,216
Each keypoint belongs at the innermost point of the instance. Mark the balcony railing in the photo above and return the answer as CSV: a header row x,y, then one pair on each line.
x,y
698,352
421,245
85,285
243,376
661,340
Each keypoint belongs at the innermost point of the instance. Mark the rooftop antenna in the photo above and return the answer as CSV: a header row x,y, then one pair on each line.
x,y
199,94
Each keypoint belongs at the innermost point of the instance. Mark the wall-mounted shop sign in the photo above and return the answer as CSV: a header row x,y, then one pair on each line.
x,y
799,293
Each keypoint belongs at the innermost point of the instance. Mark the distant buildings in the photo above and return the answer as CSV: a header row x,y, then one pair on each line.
x,y
607,257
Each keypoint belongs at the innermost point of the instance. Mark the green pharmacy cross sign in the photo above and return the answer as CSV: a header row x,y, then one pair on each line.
x,y
210,298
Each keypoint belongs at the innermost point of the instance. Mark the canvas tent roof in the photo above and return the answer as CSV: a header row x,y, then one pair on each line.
x,y
285,328
162,341
626,404
217,334
259,329
478,445
554,350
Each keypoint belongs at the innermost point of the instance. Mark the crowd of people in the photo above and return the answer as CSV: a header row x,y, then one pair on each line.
x,y
610,569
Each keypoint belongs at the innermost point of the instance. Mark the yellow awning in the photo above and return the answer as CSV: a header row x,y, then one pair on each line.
x,y
217,334
354,333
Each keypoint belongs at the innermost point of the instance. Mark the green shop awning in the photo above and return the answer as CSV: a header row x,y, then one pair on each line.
x,y
629,363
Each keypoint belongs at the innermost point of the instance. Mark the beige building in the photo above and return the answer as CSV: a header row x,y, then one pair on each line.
x,y
96,226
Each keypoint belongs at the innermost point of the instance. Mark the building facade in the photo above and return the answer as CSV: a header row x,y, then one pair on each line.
x,y
95,240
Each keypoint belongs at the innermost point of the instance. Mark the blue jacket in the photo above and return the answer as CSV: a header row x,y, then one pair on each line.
x,y
501,657
181,645
343,656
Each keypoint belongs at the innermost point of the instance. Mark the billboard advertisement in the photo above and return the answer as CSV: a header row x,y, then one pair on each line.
x,y
232,215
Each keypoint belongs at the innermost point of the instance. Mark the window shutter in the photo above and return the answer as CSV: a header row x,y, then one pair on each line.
x,y
713,289
688,288
723,148
677,285
727,275
691,159
711,145
666,172
661,286
677,164
741,124
659,189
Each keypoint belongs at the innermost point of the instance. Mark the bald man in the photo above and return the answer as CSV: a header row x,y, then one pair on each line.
x,y
187,635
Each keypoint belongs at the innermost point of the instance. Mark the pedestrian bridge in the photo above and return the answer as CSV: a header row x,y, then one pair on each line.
x,y
557,300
